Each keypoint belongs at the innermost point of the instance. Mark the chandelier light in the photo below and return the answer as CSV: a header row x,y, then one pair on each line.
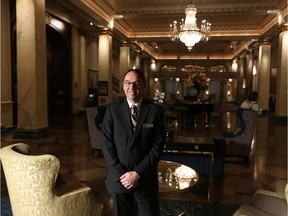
x,y
188,32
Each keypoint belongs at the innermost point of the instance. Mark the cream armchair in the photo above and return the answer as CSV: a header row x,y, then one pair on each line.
x,y
265,203
31,186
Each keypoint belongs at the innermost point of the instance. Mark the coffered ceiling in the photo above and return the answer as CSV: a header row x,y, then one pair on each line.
x,y
236,25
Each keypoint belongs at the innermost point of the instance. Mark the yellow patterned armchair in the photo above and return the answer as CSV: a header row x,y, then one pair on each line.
x,y
31,186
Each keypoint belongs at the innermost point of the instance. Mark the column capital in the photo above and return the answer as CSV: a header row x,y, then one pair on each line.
x,y
242,57
139,52
265,41
125,44
250,51
106,31
283,27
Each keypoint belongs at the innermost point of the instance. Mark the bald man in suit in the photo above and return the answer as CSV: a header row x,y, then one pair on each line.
x,y
133,152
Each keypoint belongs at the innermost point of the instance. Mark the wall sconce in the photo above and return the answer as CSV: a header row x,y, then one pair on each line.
x,y
156,79
234,66
153,65
244,83
229,80
228,93
177,79
111,24
280,19
254,70
279,15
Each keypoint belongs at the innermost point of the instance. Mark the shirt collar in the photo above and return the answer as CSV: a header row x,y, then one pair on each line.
x,y
138,105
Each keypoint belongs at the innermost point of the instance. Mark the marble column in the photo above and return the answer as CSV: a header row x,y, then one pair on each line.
x,y
281,89
6,70
255,76
138,59
263,69
105,66
240,68
31,69
249,72
146,70
76,78
83,72
124,63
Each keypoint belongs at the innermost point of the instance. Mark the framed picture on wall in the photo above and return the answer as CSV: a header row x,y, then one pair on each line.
x,y
92,79
103,88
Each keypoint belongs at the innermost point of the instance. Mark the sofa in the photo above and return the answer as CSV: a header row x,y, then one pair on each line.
x,y
265,203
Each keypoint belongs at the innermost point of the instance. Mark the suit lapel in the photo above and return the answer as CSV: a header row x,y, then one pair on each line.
x,y
126,117
143,113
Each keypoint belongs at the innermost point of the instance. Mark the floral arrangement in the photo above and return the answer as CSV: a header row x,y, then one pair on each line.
x,y
198,80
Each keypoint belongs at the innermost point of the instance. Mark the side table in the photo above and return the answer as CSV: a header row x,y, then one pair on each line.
x,y
181,149
169,181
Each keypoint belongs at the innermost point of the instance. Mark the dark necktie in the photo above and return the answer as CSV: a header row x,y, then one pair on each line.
x,y
134,116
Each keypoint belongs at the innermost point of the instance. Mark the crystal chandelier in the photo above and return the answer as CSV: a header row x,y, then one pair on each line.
x,y
188,32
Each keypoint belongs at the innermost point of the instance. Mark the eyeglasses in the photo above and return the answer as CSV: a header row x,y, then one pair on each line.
x,y
136,83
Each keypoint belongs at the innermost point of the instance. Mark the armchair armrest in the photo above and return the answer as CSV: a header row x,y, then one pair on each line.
x,y
270,202
75,192
82,201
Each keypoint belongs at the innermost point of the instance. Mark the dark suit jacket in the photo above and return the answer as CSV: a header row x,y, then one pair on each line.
x,y
125,151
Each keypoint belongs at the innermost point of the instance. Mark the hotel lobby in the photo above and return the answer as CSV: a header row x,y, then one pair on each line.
x,y
69,141
60,59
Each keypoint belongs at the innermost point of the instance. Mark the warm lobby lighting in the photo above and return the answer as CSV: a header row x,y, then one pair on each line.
x,y
188,32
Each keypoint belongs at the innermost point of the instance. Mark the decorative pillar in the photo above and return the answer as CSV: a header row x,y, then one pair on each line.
x,y
264,74
76,92
124,63
146,70
31,69
281,89
240,90
105,66
249,72
255,75
83,71
138,59
6,70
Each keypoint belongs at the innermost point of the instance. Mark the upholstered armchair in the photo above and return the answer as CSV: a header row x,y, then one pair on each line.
x,y
265,203
94,131
95,117
241,145
31,186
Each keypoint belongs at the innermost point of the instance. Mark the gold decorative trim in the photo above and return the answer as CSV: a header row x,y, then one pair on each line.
x,y
265,42
283,27
106,31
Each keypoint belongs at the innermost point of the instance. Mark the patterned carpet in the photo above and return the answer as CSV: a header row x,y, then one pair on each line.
x,y
5,206
183,208
167,208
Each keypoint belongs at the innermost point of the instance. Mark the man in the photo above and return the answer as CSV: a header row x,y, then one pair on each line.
x,y
132,152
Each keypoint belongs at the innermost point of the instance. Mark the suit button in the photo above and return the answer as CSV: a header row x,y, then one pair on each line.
x,y
130,166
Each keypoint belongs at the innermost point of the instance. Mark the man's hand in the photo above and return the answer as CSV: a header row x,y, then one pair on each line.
x,y
130,179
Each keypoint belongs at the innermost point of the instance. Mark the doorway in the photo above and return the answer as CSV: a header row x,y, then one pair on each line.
x,y
58,73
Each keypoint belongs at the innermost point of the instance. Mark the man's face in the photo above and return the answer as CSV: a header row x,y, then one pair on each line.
x,y
133,87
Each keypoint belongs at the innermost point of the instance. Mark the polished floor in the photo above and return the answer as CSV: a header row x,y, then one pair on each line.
x,y
267,168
